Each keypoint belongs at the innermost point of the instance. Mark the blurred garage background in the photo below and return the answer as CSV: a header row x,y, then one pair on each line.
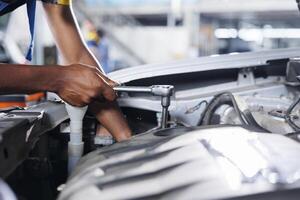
x,y
126,33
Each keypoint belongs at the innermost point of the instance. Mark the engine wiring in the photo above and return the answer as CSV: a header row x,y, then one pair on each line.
x,y
195,108
288,115
227,98
245,117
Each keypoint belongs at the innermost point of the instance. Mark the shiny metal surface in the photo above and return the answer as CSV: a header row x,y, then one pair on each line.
x,y
164,91
213,163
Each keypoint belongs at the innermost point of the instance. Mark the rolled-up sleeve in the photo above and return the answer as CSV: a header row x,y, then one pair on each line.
x,y
59,2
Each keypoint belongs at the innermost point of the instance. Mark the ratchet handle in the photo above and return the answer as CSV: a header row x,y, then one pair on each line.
x,y
156,90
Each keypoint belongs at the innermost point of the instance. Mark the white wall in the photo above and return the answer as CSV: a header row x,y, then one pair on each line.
x,y
154,44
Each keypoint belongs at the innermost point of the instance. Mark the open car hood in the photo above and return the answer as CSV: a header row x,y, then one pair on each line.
x,y
229,61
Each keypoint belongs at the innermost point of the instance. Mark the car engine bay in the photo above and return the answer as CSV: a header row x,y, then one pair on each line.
x,y
222,127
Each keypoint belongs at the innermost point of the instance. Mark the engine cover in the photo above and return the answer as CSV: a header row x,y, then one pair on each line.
x,y
184,163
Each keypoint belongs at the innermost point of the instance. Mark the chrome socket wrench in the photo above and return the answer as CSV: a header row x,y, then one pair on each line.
x,y
164,91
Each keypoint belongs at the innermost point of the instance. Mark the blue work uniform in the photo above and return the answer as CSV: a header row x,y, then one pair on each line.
x,y
7,6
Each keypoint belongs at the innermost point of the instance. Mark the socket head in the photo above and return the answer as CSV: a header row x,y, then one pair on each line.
x,y
162,90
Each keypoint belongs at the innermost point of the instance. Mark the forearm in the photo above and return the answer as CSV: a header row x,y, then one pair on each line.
x,y
112,119
73,50
27,79
70,41
109,114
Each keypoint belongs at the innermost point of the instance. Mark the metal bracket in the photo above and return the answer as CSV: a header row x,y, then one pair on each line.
x,y
246,77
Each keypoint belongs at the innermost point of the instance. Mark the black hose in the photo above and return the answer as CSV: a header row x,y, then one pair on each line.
x,y
227,98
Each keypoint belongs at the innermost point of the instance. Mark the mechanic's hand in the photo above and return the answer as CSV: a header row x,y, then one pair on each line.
x,y
108,80
81,85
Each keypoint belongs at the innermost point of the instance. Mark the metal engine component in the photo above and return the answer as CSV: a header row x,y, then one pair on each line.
x,y
187,160
268,112
183,164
